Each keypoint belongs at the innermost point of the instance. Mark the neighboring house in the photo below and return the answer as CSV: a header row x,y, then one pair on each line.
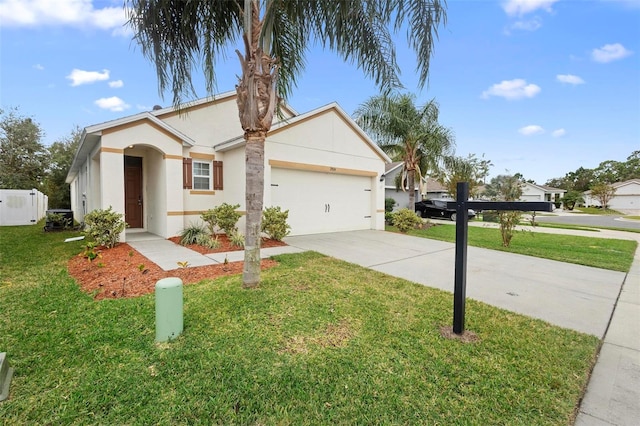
x,y
163,168
625,200
533,192
432,187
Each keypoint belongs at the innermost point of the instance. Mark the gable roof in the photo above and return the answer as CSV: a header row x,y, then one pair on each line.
x,y
299,119
91,136
619,184
544,188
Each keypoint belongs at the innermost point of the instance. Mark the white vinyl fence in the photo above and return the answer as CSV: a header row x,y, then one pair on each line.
x,y
22,206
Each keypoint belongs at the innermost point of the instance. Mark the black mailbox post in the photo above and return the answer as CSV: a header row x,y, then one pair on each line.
x,y
462,205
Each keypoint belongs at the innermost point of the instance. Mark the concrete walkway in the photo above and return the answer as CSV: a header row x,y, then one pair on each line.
x,y
590,300
166,254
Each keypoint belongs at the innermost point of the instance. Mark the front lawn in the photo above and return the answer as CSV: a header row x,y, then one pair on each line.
x,y
320,342
616,255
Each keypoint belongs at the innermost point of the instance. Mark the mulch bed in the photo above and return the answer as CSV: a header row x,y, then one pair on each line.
x,y
123,272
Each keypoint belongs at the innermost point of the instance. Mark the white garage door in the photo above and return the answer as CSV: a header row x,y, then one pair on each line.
x,y
322,202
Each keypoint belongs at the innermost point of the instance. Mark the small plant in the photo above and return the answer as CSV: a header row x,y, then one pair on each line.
x,y
141,267
130,253
222,218
236,239
405,220
192,233
59,221
104,226
207,241
183,264
101,265
274,223
389,204
388,218
91,252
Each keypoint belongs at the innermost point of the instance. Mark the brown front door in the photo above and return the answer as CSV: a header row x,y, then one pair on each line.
x,y
133,191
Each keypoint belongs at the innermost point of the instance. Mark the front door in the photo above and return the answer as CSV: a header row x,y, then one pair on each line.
x,y
133,191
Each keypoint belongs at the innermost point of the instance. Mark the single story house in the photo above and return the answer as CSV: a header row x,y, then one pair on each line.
x,y
625,200
163,168
432,188
533,192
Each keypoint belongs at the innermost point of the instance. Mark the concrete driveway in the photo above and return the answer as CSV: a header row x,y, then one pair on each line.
x,y
572,296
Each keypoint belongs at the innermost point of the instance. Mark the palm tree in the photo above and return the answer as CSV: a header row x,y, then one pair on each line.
x,y
179,36
407,133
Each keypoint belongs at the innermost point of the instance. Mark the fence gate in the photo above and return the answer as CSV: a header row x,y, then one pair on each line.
x,y
21,206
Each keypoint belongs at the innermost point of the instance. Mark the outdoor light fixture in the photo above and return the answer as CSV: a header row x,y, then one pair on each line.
x,y
382,177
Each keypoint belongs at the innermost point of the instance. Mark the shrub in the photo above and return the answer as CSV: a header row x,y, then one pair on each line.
x,y
388,218
206,240
274,223
224,217
508,222
104,226
59,221
490,216
389,204
190,234
405,220
236,239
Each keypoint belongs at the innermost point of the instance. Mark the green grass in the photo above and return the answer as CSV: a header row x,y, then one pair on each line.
x,y
616,255
584,227
594,210
320,342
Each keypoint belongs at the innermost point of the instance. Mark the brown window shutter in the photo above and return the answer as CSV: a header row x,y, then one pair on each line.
x,y
217,175
187,173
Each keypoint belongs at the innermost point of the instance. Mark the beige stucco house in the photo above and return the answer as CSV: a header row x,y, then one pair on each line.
x,y
163,168
626,198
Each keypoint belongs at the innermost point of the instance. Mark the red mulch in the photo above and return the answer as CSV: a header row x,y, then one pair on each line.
x,y
123,272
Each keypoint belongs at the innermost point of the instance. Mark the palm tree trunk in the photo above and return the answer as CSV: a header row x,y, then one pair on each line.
x,y
257,100
412,189
254,195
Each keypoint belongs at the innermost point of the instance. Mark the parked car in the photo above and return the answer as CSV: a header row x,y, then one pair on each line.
x,y
438,209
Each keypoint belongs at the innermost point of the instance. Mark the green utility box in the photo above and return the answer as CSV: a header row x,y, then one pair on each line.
x,y
5,376
169,322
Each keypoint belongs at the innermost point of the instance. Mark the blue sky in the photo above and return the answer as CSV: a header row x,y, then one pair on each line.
x,y
540,87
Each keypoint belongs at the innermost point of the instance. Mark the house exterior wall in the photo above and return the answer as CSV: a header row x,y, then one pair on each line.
x,y
625,200
327,140
532,193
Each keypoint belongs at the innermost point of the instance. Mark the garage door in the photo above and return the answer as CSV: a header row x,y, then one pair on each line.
x,y
322,202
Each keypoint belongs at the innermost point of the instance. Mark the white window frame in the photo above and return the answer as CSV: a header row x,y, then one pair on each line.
x,y
209,177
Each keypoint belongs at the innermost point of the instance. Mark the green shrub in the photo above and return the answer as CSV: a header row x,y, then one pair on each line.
x,y
274,223
191,233
236,239
490,216
389,204
388,218
222,218
405,220
104,226
207,240
59,221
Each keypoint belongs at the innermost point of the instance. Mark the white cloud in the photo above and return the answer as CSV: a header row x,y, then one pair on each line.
x,y
529,25
522,7
79,77
113,103
116,83
610,52
532,129
78,13
569,79
558,133
38,67
512,89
